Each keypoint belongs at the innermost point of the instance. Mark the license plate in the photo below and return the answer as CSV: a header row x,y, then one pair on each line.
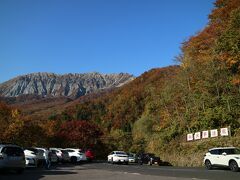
x,y
14,158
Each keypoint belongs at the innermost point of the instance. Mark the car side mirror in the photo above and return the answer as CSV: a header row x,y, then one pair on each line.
x,y
224,154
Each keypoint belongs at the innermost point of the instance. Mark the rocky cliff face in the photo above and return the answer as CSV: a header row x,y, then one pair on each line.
x,y
69,85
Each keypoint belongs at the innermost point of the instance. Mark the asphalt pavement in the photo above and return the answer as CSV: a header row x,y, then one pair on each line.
x,y
105,171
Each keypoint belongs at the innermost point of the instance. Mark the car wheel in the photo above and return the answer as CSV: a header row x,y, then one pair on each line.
x,y
73,159
233,166
20,171
139,162
208,165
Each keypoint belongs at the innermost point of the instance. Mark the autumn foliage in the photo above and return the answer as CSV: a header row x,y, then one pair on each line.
x,y
155,111
15,128
79,134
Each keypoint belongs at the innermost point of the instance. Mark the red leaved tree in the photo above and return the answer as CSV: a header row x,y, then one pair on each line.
x,y
78,134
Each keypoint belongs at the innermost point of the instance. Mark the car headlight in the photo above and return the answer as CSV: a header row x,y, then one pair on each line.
x,y
237,157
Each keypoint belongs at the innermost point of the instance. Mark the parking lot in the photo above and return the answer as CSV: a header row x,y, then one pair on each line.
x,y
106,171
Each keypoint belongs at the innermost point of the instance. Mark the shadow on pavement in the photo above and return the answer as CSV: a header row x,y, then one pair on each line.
x,y
32,174
165,163
40,172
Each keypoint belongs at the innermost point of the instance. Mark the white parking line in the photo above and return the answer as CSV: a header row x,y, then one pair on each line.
x,y
132,173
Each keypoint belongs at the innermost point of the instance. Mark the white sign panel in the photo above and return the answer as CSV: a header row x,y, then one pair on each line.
x,y
224,132
205,134
197,136
214,133
189,137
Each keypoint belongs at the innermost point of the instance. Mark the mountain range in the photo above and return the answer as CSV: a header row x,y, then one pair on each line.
x,y
67,85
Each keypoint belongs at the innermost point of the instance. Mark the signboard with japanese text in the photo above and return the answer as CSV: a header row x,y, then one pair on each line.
x,y
197,136
205,134
189,137
209,134
224,132
214,133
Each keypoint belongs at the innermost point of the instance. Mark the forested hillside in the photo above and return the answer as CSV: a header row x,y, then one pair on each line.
x,y
155,111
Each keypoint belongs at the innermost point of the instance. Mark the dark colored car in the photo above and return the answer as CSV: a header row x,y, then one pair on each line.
x,y
65,156
89,154
148,158
12,158
52,155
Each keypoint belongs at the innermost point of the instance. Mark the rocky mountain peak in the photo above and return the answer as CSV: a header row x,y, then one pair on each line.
x,y
69,85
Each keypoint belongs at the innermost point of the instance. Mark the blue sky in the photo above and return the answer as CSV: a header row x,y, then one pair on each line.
x,y
106,36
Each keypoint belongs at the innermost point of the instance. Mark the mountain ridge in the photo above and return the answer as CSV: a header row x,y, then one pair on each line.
x,y
71,85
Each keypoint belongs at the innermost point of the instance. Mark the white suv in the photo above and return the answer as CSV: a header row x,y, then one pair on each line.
x,y
223,157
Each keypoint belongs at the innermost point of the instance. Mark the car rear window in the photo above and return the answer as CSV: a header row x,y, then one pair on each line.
x,y
151,155
70,150
53,152
64,151
121,153
12,151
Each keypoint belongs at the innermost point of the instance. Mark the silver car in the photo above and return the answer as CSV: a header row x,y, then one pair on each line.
x,y
12,158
